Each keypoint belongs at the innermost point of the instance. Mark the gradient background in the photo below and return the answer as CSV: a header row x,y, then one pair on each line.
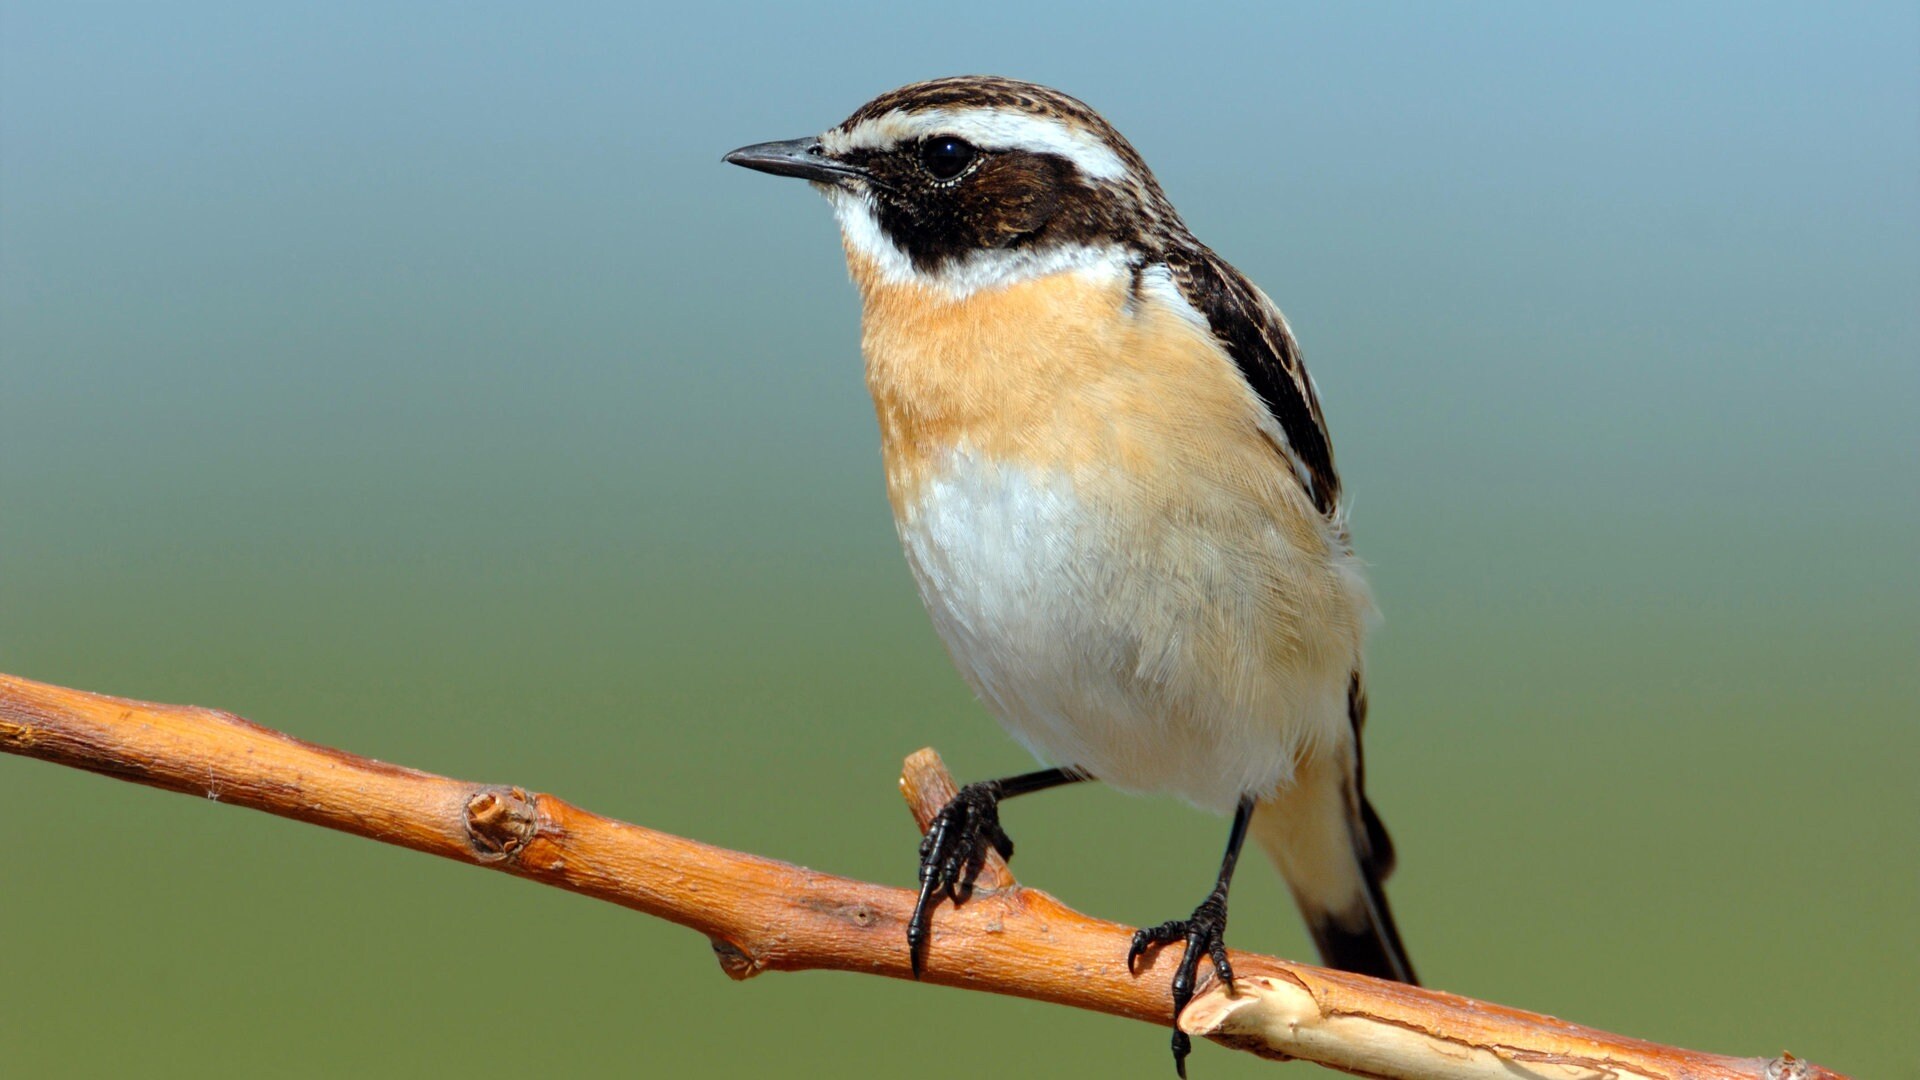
x,y
416,380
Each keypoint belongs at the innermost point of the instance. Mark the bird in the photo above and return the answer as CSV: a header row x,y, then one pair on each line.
x,y
1114,486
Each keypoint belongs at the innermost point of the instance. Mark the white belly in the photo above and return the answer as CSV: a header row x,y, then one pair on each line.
x,y
1186,648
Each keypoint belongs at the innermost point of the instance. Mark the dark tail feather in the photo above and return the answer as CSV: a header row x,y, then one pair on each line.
x,y
1334,865
1372,946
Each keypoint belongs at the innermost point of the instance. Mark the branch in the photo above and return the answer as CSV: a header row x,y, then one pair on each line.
x,y
764,915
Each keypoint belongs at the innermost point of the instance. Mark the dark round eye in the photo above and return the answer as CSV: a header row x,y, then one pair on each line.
x,y
946,157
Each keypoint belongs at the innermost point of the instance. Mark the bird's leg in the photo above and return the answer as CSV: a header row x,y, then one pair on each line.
x,y
955,847
1204,933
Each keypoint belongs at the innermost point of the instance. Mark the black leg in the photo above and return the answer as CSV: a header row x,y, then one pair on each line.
x,y
1204,933
955,847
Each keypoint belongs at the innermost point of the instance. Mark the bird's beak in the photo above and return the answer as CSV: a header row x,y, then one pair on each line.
x,y
804,158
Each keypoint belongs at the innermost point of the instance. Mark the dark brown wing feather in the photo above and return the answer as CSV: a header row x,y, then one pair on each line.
x,y
1255,335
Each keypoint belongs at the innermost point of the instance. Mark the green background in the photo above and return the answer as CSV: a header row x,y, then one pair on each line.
x,y
414,379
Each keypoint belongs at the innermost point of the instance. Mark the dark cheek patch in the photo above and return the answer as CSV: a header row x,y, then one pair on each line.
x,y
1010,200
1012,197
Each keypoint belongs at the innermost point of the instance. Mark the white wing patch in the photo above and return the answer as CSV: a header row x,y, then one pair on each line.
x,y
1157,285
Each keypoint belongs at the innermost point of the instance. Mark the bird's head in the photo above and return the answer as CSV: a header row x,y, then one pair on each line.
x,y
974,182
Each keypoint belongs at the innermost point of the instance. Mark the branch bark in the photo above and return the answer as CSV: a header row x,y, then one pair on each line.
x,y
765,915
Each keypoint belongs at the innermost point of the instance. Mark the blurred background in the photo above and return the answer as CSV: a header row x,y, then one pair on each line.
x,y
413,378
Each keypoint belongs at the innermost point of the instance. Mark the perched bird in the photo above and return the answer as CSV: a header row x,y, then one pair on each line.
x,y
1114,486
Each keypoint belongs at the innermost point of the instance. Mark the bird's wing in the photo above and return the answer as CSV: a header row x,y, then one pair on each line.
x,y
1322,831
1255,334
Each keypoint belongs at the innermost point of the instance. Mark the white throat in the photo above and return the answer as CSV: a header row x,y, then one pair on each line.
x,y
979,271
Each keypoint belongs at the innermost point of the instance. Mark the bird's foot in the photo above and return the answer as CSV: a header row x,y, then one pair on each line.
x,y
1204,933
952,853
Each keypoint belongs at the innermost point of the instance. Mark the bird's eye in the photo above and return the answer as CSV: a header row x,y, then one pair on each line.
x,y
946,157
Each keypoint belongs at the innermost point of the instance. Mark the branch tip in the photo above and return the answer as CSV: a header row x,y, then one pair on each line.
x,y
928,787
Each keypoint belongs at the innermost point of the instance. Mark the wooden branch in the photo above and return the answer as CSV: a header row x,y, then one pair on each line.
x,y
764,915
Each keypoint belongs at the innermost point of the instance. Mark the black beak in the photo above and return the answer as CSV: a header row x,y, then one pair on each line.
x,y
804,158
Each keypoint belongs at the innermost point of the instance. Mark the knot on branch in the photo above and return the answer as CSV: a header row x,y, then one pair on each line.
x,y
1786,1067
500,821
734,960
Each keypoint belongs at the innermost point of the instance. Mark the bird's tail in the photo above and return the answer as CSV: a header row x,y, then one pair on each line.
x,y
1334,853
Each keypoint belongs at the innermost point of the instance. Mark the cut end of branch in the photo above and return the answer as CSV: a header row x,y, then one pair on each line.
x,y
1247,1017
500,822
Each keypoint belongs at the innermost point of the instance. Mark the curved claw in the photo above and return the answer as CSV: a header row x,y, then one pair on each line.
x,y
1203,934
917,925
1222,967
952,854
1152,937
1002,843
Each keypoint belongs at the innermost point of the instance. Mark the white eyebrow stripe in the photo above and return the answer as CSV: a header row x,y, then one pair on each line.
x,y
989,129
